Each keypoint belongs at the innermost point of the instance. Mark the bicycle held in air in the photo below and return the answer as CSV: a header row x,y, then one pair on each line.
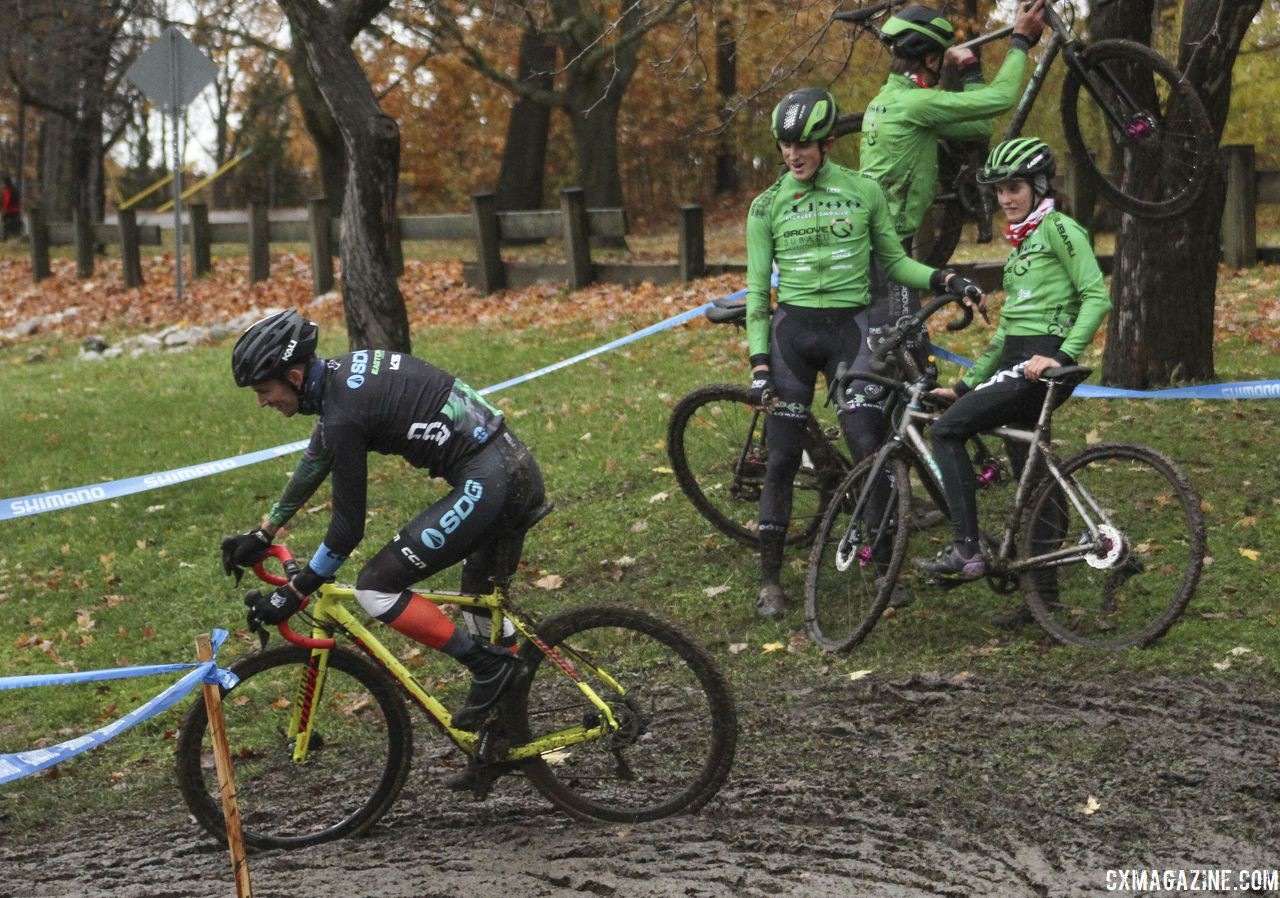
x,y
1106,546
619,716
1134,124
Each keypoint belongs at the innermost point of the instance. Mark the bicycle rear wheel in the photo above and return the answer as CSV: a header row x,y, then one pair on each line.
x,y
356,764
678,725
716,443
1138,128
857,556
1130,585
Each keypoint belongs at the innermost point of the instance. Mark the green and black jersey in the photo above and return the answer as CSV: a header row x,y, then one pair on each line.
x,y
820,233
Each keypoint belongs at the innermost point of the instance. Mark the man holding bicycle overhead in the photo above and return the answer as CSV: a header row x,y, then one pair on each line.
x,y
819,223
394,404
900,134
1055,302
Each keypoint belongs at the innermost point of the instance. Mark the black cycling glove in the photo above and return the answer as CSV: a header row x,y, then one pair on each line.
x,y
244,550
273,609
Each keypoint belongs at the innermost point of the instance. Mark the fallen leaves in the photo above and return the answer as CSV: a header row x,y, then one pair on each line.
x,y
549,582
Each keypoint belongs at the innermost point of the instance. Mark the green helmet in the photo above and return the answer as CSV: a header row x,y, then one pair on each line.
x,y
917,31
1021,159
804,115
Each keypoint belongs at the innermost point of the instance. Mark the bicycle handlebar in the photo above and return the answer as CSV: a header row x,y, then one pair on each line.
x,y
858,16
291,568
911,323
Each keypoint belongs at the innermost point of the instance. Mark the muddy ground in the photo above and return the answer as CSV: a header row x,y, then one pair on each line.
x,y
928,786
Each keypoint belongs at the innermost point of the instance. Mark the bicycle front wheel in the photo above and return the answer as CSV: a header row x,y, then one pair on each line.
x,y
1137,128
677,723
1128,585
857,556
716,443
356,764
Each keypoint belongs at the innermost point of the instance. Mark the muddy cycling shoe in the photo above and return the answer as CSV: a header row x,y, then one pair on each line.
x,y
772,601
951,564
493,670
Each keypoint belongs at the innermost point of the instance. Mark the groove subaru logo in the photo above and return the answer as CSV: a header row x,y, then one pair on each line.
x,y
432,538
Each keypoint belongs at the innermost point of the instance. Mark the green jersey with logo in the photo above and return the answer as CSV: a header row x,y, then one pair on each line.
x,y
1053,285
903,124
820,233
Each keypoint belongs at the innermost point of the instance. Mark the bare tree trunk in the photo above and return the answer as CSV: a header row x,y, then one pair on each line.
x,y
726,175
322,129
520,181
372,300
1165,275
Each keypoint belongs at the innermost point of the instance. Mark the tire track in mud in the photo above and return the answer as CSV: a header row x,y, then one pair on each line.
x,y
924,786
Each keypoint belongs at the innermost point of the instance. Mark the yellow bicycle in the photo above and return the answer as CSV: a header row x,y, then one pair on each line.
x,y
619,716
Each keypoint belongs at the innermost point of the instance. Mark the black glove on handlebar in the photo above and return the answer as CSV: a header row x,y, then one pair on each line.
x,y
962,286
761,387
273,609
244,550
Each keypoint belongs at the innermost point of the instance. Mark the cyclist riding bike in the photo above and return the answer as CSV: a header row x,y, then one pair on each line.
x,y
1055,302
819,223
900,134
394,404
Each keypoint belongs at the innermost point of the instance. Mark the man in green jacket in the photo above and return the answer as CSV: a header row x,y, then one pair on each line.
x,y
900,134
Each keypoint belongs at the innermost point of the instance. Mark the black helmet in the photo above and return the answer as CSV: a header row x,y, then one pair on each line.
x,y
270,346
917,31
804,115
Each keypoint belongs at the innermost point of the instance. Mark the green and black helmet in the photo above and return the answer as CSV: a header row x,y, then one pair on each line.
x,y
917,31
804,115
1020,159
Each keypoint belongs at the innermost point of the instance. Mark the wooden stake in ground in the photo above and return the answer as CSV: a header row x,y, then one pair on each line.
x,y
226,778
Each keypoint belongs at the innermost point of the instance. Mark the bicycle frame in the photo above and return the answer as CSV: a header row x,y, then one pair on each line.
x,y
329,614
908,438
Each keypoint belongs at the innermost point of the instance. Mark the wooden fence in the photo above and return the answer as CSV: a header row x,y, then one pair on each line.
x,y
573,223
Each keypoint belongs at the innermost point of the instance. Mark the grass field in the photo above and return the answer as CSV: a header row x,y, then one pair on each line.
x,y
133,580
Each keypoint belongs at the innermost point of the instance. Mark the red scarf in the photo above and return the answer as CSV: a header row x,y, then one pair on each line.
x,y
1016,233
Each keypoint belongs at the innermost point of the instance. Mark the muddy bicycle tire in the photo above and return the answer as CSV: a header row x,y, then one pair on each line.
x,y
1157,176
679,728
841,607
357,763
716,445
1132,589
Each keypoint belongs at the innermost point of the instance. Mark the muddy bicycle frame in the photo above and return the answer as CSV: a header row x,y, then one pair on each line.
x,y
328,614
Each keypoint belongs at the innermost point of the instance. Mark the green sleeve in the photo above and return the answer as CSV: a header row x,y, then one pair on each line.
x,y
312,469
1071,243
942,108
978,129
759,272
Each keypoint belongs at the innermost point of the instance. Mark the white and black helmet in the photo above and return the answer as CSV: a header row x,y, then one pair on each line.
x,y
270,346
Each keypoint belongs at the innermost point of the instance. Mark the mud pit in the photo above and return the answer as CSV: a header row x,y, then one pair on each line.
x,y
927,786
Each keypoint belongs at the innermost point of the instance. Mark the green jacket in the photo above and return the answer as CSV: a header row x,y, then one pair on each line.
x,y
903,124
1053,285
821,234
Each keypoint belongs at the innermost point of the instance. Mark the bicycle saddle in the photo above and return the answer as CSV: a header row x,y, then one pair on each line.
x,y
1067,374
727,311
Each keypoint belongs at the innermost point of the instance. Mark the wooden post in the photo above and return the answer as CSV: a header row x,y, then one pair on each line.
x,y
259,242
488,242
83,231
321,246
577,245
693,257
201,239
39,244
130,255
1240,213
226,776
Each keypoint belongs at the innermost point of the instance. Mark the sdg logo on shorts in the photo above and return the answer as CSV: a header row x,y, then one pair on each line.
x,y
432,538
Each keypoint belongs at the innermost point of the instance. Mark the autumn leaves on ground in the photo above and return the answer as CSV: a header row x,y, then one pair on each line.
x,y
434,294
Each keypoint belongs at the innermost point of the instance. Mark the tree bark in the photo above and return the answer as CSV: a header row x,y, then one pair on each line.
x,y
1165,274
520,180
325,135
374,306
